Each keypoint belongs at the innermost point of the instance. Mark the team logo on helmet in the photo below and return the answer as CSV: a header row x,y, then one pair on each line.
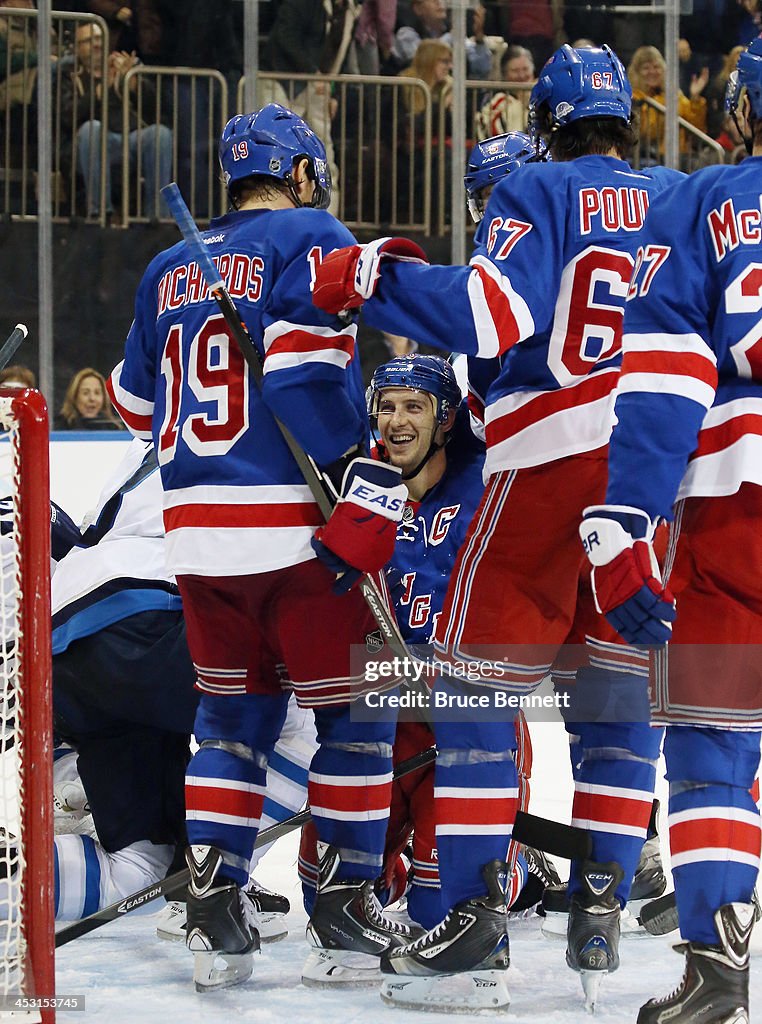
x,y
564,109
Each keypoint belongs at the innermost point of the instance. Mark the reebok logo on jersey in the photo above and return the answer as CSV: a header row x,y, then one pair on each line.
x,y
214,239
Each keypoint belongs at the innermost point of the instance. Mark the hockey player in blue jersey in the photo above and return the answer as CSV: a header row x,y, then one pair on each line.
x,y
548,295
687,448
257,572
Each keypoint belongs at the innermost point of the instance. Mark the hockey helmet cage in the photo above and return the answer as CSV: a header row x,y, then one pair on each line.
x,y
493,159
430,374
588,82
747,77
268,142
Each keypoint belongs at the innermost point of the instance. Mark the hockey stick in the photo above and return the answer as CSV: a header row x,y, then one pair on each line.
x,y
11,343
659,916
561,839
173,884
312,475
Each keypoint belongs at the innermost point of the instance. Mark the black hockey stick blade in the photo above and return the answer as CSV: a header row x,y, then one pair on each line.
x,y
552,837
11,343
659,916
173,884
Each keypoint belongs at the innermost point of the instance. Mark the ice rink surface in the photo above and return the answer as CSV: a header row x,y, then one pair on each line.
x,y
126,974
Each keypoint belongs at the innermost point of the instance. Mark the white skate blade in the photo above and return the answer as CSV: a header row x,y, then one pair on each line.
x,y
171,922
212,971
467,992
333,968
591,983
554,926
271,927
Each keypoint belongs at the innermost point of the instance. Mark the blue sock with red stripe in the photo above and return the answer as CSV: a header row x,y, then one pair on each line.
x,y
350,785
613,794
476,798
225,779
714,823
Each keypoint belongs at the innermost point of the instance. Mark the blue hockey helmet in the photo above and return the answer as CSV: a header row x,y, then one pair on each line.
x,y
430,374
268,142
493,159
748,77
588,82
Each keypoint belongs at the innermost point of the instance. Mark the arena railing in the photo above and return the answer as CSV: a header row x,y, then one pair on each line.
x,y
18,114
696,148
182,110
378,150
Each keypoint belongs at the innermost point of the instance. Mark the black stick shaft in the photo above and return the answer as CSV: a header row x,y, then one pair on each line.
x,y
11,343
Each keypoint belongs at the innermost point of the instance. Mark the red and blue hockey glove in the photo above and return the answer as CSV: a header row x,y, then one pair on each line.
x,y
345,278
359,537
627,584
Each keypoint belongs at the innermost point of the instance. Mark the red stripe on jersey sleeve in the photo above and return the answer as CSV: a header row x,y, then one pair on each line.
x,y
136,423
503,317
304,341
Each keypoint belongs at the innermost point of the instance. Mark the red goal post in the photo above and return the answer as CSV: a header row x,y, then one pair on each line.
x,y
26,744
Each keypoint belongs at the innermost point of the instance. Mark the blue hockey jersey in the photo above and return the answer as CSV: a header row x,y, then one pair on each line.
x,y
431,534
234,499
547,292
689,399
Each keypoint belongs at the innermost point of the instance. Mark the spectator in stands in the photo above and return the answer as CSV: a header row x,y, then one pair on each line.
x,y
80,107
18,376
432,63
18,56
86,405
537,25
751,21
374,35
715,94
132,25
646,73
429,21
507,111
119,16
310,37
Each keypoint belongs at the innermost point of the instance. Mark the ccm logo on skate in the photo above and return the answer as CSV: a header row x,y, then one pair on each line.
x,y
599,883
129,904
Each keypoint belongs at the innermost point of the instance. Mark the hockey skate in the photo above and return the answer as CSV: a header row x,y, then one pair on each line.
x,y
221,930
715,984
270,909
649,881
542,873
592,936
348,931
459,966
